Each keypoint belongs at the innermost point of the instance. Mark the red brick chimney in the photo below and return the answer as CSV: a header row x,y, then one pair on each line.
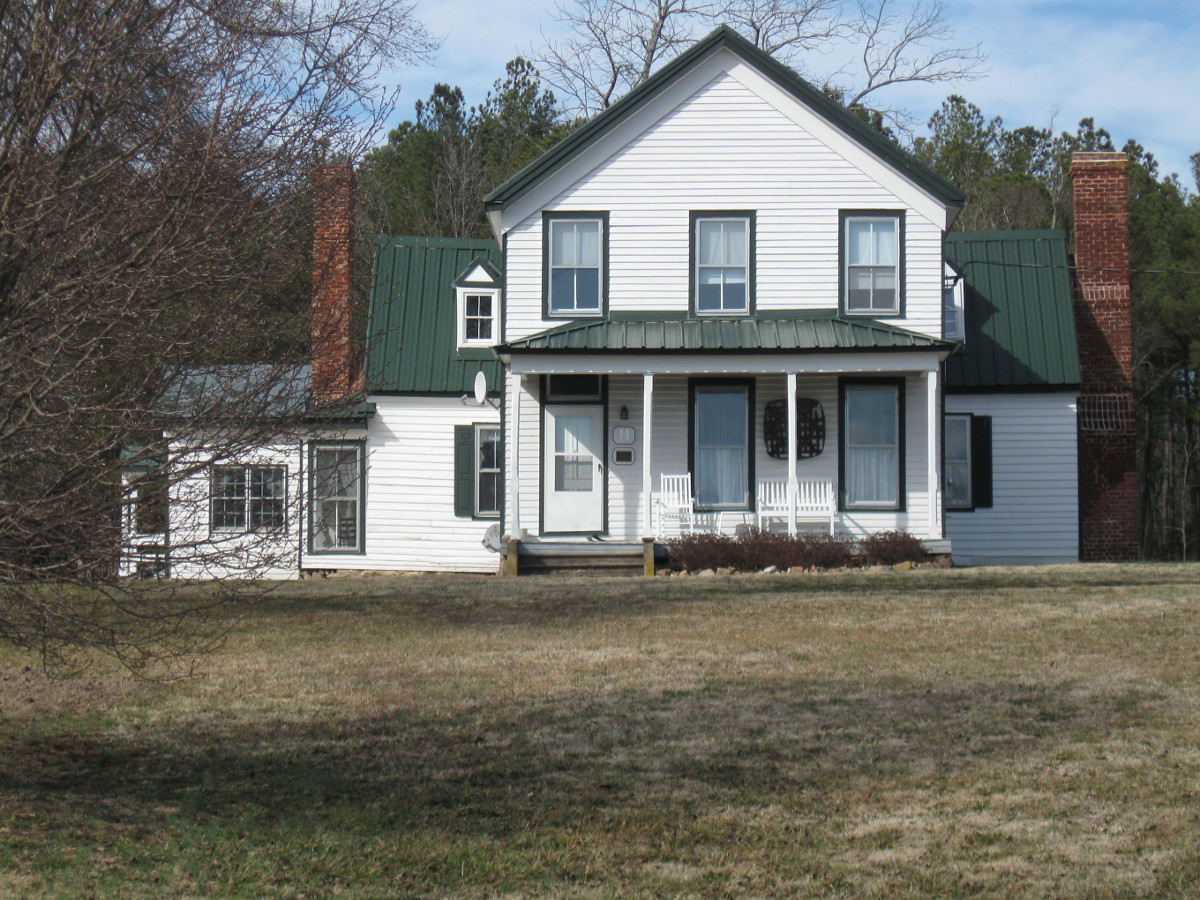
x,y
1108,503
335,372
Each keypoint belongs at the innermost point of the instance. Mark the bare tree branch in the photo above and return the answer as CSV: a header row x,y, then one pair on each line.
x,y
154,159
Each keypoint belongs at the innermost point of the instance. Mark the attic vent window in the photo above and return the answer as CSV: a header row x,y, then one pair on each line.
x,y
810,428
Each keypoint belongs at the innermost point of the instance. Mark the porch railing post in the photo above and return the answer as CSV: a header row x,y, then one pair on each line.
x,y
791,448
647,476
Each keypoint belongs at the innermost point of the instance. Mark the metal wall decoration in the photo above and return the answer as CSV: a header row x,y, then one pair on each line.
x,y
810,428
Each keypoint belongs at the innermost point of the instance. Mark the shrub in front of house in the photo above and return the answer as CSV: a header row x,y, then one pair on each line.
x,y
887,548
754,550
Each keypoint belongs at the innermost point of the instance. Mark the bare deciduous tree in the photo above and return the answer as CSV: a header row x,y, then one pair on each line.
x,y
154,159
611,46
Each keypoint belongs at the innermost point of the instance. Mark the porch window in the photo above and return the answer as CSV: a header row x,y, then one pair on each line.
x,y
248,498
574,259
722,251
336,492
958,462
872,446
872,270
721,444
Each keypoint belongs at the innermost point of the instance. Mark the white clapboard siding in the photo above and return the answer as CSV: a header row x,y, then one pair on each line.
x,y
197,552
724,148
1035,512
410,521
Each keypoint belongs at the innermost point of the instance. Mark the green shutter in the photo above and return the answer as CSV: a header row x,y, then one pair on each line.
x,y
981,462
464,470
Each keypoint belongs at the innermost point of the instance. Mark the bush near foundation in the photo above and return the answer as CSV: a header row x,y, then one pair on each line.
x,y
754,550
887,548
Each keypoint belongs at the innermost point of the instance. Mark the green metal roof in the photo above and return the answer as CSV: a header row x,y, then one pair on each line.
x,y
1020,323
411,332
818,331
769,67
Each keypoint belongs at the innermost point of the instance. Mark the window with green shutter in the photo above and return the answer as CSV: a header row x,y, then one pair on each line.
x,y
477,471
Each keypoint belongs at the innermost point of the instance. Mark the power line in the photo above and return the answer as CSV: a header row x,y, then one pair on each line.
x,y
1070,268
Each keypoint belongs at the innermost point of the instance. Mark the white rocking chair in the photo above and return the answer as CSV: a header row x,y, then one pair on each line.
x,y
674,507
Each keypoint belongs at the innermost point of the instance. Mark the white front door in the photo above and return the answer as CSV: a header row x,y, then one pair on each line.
x,y
573,469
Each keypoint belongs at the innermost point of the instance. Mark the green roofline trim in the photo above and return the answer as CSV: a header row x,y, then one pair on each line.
x,y
724,37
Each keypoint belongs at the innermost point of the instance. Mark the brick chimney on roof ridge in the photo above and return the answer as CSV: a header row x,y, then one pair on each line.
x,y
335,370
1108,501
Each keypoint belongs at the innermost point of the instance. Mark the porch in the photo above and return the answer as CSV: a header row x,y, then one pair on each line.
x,y
758,434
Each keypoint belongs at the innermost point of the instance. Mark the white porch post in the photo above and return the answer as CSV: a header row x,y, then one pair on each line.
x,y
514,470
793,484
935,484
647,474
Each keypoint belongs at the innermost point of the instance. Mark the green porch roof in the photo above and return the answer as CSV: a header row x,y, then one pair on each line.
x,y
817,331
1020,322
725,37
412,335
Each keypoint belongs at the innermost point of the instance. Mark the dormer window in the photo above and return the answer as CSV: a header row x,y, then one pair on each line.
x,y
872,262
478,293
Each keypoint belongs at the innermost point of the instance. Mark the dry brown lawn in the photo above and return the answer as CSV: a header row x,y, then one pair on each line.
x,y
1015,732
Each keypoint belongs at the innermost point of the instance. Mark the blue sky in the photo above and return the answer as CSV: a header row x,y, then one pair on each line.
x,y
1132,65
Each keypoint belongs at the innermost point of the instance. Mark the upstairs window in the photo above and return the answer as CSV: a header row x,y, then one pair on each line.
x,y
872,255
722,254
953,324
575,262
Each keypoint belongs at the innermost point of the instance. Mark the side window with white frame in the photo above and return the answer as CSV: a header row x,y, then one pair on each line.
x,y
248,498
336,497
477,471
872,259
872,445
722,263
575,263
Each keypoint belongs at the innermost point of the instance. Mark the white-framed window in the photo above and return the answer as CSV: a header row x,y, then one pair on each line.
x,y
248,498
721,251
872,446
478,316
487,471
336,497
953,321
574,265
871,255
957,461
721,445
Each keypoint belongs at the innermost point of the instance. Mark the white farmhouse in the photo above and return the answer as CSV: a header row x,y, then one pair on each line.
x,y
724,301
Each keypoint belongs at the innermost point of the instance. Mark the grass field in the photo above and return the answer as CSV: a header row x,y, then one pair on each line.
x,y
989,733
